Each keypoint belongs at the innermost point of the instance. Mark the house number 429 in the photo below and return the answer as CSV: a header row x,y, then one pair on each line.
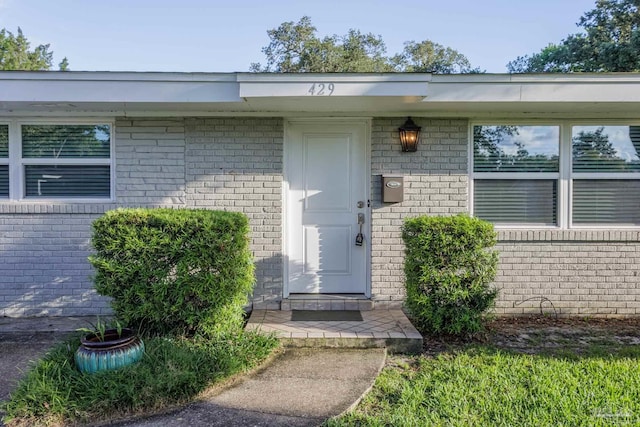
x,y
321,89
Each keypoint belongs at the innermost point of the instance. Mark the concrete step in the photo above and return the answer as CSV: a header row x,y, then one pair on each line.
x,y
327,302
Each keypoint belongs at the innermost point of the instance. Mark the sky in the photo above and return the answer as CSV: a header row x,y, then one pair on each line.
x,y
227,36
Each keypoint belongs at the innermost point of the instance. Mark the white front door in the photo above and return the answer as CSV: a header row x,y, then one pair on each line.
x,y
326,173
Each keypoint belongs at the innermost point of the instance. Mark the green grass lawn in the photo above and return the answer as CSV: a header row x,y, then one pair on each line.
x,y
481,385
172,371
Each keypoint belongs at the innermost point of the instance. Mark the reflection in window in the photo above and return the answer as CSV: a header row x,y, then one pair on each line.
x,y
65,141
516,148
66,160
526,152
606,148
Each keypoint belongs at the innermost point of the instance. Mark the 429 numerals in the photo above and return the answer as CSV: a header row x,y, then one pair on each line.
x,y
321,89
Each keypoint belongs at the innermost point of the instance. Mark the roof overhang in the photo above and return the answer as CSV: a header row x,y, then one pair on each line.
x,y
393,94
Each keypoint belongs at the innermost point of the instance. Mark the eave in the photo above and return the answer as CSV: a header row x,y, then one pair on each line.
x,y
393,94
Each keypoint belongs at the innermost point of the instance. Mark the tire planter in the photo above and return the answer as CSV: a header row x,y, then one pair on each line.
x,y
114,352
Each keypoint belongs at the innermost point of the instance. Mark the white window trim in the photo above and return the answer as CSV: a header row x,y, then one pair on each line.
x,y
565,175
4,161
515,175
16,162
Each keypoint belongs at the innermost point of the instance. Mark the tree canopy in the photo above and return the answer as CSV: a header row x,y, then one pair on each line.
x,y
295,47
16,54
610,42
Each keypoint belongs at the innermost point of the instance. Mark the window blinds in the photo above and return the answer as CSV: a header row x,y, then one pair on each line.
x,y
606,201
507,201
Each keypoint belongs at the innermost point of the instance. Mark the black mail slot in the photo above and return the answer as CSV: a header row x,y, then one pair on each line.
x,y
392,188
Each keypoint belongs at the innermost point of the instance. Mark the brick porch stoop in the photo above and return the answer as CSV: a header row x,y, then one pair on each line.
x,y
378,328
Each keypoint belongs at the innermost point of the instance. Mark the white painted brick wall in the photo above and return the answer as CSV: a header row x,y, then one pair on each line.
x,y
580,272
43,267
150,162
436,183
232,164
585,273
235,164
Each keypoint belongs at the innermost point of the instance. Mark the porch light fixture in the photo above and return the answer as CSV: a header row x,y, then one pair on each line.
x,y
409,135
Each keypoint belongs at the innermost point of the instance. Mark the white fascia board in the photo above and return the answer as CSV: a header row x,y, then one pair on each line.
x,y
581,92
538,78
102,87
133,76
315,85
563,88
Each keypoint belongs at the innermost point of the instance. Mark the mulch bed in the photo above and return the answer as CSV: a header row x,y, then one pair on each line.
x,y
535,335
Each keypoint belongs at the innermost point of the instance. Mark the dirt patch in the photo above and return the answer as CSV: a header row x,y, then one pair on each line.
x,y
537,335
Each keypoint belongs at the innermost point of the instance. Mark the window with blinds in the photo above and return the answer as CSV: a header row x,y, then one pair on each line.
x,y
66,161
516,148
605,175
4,161
516,171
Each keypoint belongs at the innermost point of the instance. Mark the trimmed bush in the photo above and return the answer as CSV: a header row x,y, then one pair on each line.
x,y
448,269
174,271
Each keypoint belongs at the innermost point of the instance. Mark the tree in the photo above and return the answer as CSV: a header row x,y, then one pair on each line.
x,y
489,156
296,48
593,150
594,143
431,57
15,54
611,42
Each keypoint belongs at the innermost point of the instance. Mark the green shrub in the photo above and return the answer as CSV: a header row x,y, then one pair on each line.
x,y
448,271
174,271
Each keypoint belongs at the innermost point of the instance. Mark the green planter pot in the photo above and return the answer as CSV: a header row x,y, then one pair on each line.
x,y
114,352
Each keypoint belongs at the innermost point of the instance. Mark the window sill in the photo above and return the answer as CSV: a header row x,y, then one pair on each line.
x,y
572,235
57,206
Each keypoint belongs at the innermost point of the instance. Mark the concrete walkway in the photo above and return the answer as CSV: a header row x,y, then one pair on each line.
x,y
25,340
300,387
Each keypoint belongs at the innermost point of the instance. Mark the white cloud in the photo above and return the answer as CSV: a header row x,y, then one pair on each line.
x,y
535,139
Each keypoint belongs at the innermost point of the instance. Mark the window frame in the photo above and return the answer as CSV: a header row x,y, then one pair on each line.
x,y
595,175
17,163
6,161
517,175
565,176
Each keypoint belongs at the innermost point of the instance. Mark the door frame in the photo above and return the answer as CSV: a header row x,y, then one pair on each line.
x,y
354,121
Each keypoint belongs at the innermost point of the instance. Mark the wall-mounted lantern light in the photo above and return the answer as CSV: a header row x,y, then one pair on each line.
x,y
409,135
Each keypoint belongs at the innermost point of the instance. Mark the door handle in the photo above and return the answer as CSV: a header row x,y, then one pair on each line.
x,y
360,236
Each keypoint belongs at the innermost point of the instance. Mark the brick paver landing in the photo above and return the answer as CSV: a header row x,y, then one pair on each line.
x,y
379,328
